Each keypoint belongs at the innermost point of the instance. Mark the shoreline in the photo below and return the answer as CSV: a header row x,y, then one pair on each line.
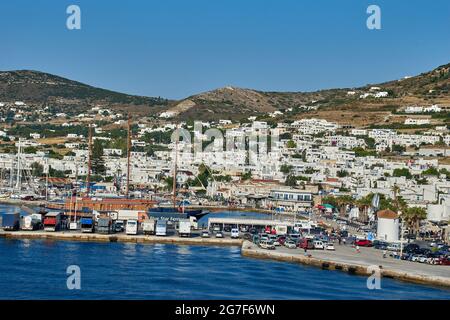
x,y
389,268
95,237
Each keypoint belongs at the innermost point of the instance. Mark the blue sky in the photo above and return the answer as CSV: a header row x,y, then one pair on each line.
x,y
175,48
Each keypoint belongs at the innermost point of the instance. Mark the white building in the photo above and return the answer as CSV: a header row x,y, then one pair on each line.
x,y
388,226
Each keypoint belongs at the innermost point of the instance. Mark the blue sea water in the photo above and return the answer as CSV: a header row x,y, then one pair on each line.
x,y
36,269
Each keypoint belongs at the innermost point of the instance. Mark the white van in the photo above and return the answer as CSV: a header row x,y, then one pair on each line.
x,y
234,233
132,227
319,245
265,244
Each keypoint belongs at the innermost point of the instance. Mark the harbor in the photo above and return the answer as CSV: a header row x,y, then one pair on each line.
x,y
345,258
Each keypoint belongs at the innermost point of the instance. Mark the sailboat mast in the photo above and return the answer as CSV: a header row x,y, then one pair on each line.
x,y
19,178
174,182
88,180
128,155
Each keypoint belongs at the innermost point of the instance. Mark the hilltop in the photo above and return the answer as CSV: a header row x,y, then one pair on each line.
x,y
236,103
41,88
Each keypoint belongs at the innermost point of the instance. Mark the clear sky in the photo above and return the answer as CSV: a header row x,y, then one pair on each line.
x,y
175,48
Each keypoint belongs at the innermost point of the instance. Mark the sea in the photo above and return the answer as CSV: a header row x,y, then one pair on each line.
x,y
48,269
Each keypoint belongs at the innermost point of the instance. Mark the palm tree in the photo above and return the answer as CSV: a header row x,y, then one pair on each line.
x,y
396,190
364,204
413,216
342,203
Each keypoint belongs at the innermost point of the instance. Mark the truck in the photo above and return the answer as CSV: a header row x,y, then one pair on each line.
x,y
52,221
161,227
184,228
306,243
148,226
126,215
10,221
132,227
87,225
119,226
105,225
281,229
32,222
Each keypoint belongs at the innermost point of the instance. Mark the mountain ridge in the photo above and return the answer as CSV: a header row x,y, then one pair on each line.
x,y
227,102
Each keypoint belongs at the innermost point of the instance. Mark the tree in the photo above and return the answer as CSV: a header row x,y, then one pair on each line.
x,y
291,144
291,180
343,202
30,149
169,183
286,169
413,216
431,171
342,173
37,169
98,164
398,148
246,176
404,172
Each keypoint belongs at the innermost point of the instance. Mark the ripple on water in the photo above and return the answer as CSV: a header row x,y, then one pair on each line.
x,y
37,270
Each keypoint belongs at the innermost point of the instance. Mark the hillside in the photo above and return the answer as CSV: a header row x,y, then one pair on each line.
x,y
41,88
236,103
335,104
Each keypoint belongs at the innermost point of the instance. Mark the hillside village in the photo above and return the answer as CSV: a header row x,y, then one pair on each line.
x,y
295,166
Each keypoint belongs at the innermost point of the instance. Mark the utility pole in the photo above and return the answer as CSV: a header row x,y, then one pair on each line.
x,y
128,156
88,180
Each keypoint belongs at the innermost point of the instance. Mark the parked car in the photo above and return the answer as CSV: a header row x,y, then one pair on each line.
x,y
363,243
234,233
393,247
205,234
380,245
318,244
266,244
445,261
417,257
330,246
274,240
219,234
411,248
290,244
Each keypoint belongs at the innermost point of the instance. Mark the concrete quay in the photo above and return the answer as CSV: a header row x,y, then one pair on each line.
x,y
120,237
346,259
